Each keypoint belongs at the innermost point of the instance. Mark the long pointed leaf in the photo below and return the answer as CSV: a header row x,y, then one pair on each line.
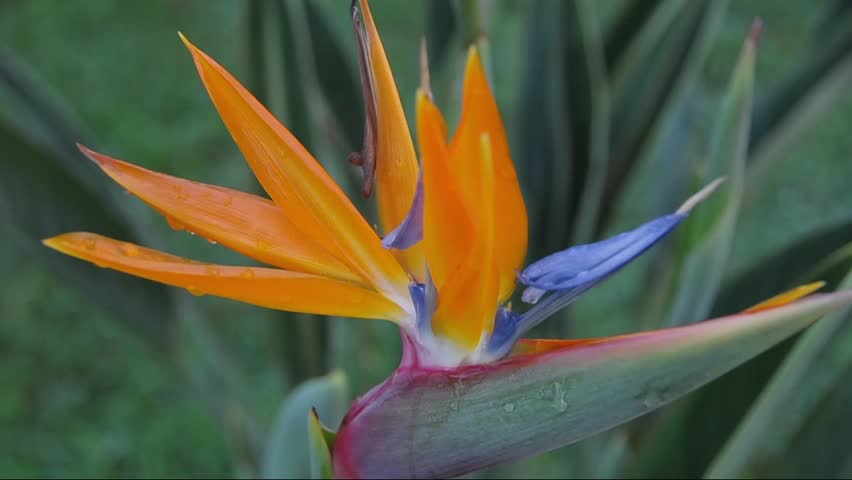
x,y
707,238
651,73
438,423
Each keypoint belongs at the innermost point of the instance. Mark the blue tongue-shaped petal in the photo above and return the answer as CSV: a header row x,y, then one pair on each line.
x,y
584,264
571,272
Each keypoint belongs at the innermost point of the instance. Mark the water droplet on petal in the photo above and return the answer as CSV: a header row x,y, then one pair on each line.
x,y
129,250
213,271
176,225
212,242
228,201
262,244
194,290
247,274
509,407
89,244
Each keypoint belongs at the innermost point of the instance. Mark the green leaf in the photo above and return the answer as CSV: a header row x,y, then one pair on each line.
x,y
671,45
443,423
547,169
706,239
441,27
320,440
790,380
803,260
799,102
588,107
40,198
288,449
623,32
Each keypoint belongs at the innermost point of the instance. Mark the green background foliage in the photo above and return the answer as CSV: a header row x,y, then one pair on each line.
x,y
120,378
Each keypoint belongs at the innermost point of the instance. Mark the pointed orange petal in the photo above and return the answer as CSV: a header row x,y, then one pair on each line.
x,y
481,115
447,228
298,184
240,221
267,287
527,346
468,301
787,297
396,162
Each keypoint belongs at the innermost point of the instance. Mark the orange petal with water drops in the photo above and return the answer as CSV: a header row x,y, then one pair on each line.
x,y
468,300
447,228
246,223
395,162
480,115
787,297
298,184
266,287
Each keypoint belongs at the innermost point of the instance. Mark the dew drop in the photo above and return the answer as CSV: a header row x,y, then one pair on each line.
x,y
262,244
212,242
247,273
653,398
89,243
509,407
181,194
194,290
129,250
559,401
176,225
228,201
213,271
454,405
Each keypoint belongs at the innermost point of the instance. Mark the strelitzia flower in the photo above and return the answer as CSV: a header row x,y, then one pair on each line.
x,y
470,391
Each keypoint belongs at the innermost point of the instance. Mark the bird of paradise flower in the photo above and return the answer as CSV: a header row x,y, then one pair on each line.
x,y
454,248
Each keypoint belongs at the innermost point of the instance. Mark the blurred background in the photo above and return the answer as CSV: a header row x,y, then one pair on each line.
x,y
611,108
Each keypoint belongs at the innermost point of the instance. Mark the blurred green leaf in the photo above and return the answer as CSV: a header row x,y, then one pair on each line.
x,y
588,107
706,238
287,453
799,102
40,199
336,78
653,69
623,32
440,29
431,423
790,380
318,446
48,188
819,447
546,171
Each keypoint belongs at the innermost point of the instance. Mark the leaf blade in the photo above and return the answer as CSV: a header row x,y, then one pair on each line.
x,y
439,423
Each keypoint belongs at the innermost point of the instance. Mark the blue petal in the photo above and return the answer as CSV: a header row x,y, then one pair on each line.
x,y
505,332
410,231
588,264
425,298
572,272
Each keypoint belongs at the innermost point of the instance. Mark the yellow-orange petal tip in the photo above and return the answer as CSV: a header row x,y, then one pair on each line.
x,y
789,296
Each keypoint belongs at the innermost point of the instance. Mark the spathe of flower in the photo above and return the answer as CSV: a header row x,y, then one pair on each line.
x,y
455,239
